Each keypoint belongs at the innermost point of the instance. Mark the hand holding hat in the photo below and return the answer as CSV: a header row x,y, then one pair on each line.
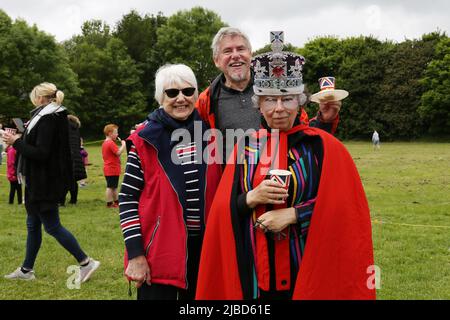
x,y
328,92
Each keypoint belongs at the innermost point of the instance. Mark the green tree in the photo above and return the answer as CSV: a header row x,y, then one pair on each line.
x,y
28,57
267,48
323,58
435,101
109,78
361,72
139,34
186,38
401,89
96,32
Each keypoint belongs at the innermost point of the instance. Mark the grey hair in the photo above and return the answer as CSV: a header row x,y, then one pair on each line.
x,y
228,32
173,74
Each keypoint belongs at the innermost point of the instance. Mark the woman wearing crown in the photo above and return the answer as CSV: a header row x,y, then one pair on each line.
x,y
309,241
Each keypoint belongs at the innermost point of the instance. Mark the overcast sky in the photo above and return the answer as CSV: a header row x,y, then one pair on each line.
x,y
300,19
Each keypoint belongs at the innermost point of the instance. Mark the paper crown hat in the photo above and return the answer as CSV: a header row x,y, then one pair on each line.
x,y
278,72
328,92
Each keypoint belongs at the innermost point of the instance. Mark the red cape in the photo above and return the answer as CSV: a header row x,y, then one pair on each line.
x,y
339,248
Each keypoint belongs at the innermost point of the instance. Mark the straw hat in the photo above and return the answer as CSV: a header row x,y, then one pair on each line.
x,y
328,92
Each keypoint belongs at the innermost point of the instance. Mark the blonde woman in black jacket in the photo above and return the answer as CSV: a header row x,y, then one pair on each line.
x,y
45,167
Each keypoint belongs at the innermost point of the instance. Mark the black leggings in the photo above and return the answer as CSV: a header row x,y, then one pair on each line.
x,y
15,187
47,214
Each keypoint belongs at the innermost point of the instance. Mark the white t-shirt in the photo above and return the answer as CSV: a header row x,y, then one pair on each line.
x,y
375,137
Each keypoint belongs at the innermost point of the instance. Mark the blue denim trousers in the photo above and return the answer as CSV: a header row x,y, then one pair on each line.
x,y
47,214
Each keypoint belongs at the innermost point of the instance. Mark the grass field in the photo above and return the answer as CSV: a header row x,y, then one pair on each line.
x,y
407,185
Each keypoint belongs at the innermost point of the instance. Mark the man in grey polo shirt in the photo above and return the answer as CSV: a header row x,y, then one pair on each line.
x,y
227,104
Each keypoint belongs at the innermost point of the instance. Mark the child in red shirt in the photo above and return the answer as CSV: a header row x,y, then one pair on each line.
x,y
111,164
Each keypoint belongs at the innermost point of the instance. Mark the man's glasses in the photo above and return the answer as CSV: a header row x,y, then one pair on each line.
x,y
187,92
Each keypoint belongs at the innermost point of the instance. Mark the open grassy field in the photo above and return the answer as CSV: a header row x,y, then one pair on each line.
x,y
407,185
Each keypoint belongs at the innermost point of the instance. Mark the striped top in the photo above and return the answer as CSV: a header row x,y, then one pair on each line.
x,y
130,191
304,162
187,156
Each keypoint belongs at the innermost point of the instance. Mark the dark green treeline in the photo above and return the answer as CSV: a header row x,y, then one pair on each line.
x,y
107,72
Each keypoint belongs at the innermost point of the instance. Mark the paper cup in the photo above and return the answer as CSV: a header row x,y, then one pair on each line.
x,y
11,131
281,176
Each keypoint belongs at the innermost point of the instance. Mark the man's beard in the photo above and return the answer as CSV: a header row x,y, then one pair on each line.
x,y
239,77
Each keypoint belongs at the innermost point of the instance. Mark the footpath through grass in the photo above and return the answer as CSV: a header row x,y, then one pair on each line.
x,y
407,185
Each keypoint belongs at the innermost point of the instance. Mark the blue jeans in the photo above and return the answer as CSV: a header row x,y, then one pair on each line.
x,y
46,214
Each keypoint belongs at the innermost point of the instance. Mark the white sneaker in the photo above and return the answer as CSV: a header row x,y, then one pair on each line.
x,y
87,271
18,274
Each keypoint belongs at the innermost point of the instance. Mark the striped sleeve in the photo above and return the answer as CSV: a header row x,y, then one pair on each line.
x,y
304,211
130,191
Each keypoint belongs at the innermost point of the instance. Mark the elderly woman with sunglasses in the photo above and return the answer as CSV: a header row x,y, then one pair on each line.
x,y
167,191
311,240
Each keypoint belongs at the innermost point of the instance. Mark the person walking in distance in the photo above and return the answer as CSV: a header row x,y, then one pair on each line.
x,y
376,140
